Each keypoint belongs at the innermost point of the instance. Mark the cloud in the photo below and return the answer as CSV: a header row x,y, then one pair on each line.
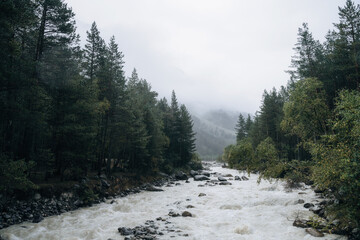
x,y
214,54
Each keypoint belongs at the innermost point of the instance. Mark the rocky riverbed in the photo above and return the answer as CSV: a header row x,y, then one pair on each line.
x,y
216,204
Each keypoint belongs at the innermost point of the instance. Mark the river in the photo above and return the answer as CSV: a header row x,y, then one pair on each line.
x,y
243,210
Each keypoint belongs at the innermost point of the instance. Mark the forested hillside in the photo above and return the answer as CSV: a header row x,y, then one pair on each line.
x,y
214,130
67,110
309,130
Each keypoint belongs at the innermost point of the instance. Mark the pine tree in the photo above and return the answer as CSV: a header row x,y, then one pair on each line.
x,y
240,128
349,41
187,136
94,52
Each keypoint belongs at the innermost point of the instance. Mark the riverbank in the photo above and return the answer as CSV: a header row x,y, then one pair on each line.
x,y
54,198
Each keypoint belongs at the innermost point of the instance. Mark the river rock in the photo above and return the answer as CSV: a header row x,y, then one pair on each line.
x,y
37,218
201,178
313,232
228,175
194,173
186,214
308,205
105,184
225,183
37,196
190,206
300,201
151,188
205,173
237,178
300,223
202,194
125,231
173,214
244,178
181,176
315,209
221,179
318,190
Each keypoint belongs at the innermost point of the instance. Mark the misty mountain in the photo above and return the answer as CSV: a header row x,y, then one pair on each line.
x,y
215,130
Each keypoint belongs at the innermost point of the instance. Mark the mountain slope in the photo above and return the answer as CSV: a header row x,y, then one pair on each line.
x,y
214,130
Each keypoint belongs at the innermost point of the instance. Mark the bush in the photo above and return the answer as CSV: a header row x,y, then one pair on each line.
x,y
195,162
14,174
240,156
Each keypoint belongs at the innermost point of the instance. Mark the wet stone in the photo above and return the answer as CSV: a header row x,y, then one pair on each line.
x,y
125,231
173,214
313,232
202,194
186,214
308,205
225,183
222,179
300,223
201,178
300,201
244,178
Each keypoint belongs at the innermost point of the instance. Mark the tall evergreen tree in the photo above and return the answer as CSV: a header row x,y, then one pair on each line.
x,y
240,128
94,52
348,31
187,136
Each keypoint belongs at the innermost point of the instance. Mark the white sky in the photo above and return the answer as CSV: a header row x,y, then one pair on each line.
x,y
213,53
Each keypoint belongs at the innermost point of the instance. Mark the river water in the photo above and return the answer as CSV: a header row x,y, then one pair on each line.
x,y
243,210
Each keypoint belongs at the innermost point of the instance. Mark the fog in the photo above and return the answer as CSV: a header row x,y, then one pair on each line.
x,y
214,54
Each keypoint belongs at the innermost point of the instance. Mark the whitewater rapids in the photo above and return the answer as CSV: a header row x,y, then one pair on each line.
x,y
243,210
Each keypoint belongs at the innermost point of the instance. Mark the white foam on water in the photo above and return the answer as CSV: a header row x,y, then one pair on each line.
x,y
244,210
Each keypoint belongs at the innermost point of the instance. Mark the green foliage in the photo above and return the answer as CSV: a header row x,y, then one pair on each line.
x,y
266,152
195,162
240,128
240,156
87,195
338,156
306,112
14,174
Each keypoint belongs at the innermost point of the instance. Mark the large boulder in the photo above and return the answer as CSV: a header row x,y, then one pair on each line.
x,y
194,173
237,178
186,214
205,173
222,179
244,178
181,176
300,223
308,205
201,178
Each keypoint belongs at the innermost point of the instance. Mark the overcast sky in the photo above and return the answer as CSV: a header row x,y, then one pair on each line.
x,y
213,53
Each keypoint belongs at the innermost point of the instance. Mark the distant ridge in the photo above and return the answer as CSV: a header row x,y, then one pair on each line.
x,y
215,130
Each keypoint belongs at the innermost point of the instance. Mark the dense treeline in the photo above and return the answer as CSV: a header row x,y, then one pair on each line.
x,y
310,129
66,111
